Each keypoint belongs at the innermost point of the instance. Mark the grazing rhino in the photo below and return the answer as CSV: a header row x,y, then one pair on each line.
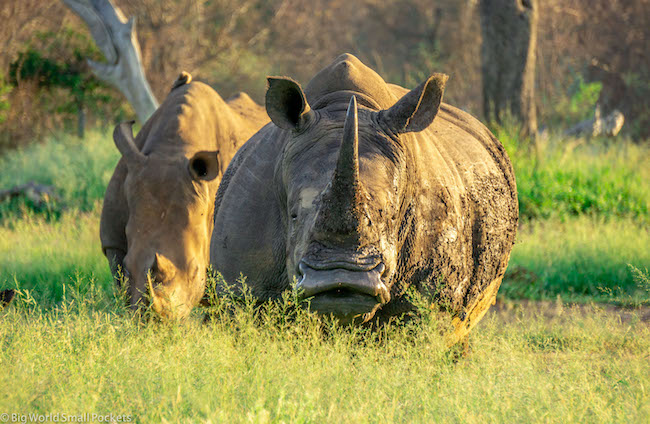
x,y
359,189
158,207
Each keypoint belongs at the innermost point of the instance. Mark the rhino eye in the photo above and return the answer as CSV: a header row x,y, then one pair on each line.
x,y
200,167
294,216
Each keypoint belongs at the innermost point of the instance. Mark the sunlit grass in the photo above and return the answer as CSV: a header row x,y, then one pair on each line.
x,y
579,259
562,177
88,354
41,255
78,169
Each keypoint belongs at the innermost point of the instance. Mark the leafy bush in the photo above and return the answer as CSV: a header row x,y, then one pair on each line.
x,y
578,104
52,88
4,100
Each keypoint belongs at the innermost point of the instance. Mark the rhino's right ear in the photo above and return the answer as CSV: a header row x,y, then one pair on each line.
x,y
123,138
286,104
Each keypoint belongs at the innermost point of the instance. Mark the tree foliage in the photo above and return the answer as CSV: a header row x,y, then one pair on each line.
x,y
234,45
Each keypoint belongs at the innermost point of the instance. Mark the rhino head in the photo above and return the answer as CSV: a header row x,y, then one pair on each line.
x,y
345,186
170,203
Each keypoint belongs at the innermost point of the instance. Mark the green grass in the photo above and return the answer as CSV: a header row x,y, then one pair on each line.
x,y
579,259
79,170
564,177
42,255
68,345
87,355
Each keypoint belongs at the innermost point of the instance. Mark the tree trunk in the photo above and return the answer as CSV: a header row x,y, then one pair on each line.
x,y
116,38
509,29
81,120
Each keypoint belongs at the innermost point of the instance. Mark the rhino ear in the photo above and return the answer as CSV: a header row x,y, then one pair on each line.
x,y
123,138
417,109
204,165
183,78
286,104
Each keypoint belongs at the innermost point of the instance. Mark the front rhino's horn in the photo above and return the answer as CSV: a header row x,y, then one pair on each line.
x,y
341,210
347,166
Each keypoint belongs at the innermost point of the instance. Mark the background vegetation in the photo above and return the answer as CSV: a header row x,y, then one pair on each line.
x,y
236,44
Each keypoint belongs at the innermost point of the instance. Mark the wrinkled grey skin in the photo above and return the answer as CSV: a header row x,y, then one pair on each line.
x,y
159,204
359,189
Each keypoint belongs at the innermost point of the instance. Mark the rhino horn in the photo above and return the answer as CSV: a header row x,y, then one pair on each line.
x,y
346,175
342,201
123,138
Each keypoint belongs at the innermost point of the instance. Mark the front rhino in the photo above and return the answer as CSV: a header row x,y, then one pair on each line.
x,y
157,216
367,201
344,240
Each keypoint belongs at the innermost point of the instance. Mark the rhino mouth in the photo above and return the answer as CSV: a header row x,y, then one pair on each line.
x,y
351,294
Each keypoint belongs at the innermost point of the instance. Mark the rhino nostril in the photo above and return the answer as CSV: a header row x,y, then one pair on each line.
x,y
300,275
302,268
154,276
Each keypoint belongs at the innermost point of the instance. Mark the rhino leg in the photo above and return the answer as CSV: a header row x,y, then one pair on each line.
x,y
116,261
113,222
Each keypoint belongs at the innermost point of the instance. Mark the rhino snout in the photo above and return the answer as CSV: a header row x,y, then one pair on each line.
x,y
342,282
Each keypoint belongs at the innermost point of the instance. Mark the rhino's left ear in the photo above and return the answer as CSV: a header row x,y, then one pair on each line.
x,y
286,104
204,165
417,109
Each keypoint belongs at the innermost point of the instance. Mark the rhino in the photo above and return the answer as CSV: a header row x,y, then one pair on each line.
x,y
359,189
156,220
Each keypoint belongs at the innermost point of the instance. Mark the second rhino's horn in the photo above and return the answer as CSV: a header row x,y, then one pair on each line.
x,y
342,202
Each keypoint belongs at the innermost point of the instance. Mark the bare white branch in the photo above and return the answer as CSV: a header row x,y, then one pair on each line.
x,y
116,38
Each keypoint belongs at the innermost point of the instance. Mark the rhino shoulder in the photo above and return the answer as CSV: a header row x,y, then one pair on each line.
x,y
241,99
244,105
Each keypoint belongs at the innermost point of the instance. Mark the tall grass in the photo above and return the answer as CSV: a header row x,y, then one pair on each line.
x,y
79,170
562,177
565,176
43,255
579,259
87,355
